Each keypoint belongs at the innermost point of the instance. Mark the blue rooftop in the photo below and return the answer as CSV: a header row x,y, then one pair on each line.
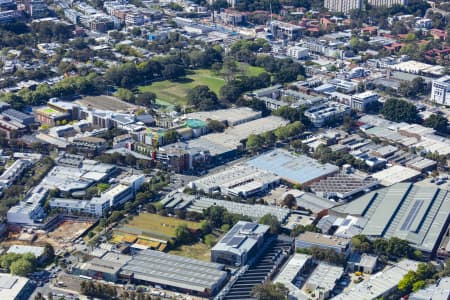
x,y
295,169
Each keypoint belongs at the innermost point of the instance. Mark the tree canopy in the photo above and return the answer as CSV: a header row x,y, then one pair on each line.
x,y
270,291
400,111
437,122
271,221
202,98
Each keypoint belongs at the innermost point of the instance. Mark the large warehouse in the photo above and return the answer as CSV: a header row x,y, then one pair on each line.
x,y
170,271
295,169
416,213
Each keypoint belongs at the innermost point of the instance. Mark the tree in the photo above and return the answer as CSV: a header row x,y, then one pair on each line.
x,y
437,122
298,229
202,98
270,291
21,267
49,252
170,136
361,243
215,126
380,246
406,284
254,142
289,201
210,240
125,94
400,111
183,235
173,71
271,221
146,99
398,248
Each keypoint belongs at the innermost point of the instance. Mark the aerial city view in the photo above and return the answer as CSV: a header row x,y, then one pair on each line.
x,y
225,149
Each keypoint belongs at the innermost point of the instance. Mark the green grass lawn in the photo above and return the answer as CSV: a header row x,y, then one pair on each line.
x,y
156,226
171,93
199,251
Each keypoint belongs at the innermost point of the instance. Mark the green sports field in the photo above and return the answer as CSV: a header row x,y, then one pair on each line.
x,y
170,92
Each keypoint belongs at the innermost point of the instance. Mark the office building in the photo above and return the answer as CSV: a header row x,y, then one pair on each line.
x,y
240,244
330,111
12,173
30,210
283,30
6,5
360,101
440,91
57,112
297,52
134,19
387,3
343,6
36,8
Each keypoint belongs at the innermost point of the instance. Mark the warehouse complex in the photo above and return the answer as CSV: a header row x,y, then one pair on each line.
x,y
241,180
418,214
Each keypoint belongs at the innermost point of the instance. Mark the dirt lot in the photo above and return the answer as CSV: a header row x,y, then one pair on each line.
x,y
106,102
63,234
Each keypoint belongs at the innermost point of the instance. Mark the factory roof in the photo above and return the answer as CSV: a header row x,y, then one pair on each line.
x,y
312,202
325,276
437,291
380,283
22,249
288,274
176,271
116,257
68,203
255,211
11,286
322,239
231,115
395,174
17,114
342,185
296,169
101,265
414,213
